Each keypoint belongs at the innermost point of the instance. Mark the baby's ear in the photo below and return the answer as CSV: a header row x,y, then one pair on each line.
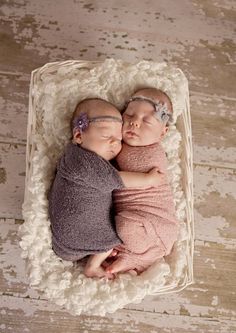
x,y
77,136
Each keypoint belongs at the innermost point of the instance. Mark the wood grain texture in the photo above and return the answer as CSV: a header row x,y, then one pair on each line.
x,y
214,133
206,298
215,209
199,37
213,263
12,179
14,91
28,315
36,33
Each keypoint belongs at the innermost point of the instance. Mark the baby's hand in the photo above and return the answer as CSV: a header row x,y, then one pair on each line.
x,y
155,177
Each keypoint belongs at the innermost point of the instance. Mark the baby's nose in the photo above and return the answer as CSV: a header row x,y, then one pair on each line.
x,y
134,123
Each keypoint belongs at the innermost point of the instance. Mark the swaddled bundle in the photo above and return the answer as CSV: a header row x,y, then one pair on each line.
x,y
145,218
84,180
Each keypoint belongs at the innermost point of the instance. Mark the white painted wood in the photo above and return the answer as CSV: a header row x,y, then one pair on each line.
x,y
180,34
199,37
12,178
205,298
13,107
28,315
215,209
214,135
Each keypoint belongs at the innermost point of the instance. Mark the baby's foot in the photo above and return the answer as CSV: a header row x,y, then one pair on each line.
x,y
117,266
132,272
99,272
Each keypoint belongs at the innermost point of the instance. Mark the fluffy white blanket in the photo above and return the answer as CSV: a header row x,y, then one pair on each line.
x,y
55,90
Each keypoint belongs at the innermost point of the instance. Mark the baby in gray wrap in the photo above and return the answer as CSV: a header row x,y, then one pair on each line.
x,y
80,199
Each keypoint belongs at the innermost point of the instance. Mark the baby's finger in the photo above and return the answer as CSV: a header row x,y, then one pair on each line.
x,y
110,276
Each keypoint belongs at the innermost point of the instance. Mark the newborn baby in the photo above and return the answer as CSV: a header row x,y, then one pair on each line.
x,y
145,218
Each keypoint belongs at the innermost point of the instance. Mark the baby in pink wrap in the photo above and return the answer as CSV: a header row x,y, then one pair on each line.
x,y
145,218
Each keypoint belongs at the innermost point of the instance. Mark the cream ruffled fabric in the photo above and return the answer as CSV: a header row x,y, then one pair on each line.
x,y
55,90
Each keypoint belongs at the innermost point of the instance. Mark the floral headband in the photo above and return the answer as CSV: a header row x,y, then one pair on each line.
x,y
161,110
82,121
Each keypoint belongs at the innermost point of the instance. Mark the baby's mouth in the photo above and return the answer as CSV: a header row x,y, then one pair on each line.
x,y
131,134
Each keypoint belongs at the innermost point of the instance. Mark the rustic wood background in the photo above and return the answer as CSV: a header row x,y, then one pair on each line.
x,y
199,37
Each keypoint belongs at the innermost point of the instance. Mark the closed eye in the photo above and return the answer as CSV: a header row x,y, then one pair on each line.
x,y
149,122
111,138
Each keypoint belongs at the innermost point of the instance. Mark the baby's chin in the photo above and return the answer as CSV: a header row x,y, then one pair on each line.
x,y
135,142
131,141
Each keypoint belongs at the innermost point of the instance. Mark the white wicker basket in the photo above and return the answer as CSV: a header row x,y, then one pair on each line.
x,y
63,282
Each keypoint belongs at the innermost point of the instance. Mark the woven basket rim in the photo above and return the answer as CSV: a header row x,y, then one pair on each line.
x,y
183,122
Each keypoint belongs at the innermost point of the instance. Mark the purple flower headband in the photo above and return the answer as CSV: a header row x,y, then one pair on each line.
x,y
81,122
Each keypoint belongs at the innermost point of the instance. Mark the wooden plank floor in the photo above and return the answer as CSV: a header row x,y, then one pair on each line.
x,y
199,37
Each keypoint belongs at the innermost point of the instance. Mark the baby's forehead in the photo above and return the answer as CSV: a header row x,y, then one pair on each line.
x,y
139,106
147,112
156,98
103,111
107,125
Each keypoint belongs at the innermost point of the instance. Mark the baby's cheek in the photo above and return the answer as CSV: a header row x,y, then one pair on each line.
x,y
123,135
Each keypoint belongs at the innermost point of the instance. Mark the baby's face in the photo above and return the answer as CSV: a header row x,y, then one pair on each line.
x,y
104,132
103,138
140,127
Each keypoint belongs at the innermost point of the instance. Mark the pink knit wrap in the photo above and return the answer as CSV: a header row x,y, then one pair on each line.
x,y
145,218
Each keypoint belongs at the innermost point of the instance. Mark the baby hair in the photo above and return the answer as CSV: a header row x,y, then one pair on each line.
x,y
154,93
85,106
